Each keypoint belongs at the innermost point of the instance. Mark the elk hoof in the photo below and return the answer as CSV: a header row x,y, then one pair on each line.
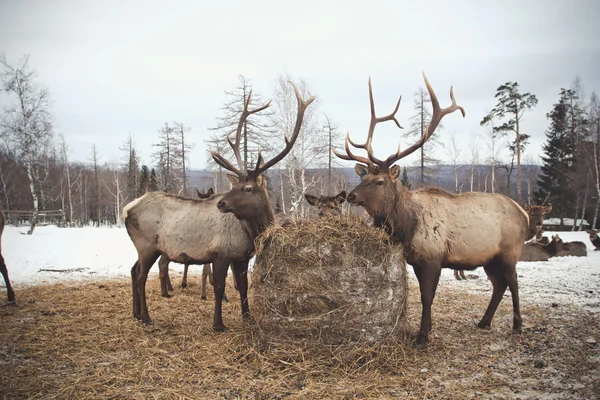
x,y
484,325
148,322
219,328
421,339
203,297
517,330
167,295
183,285
225,299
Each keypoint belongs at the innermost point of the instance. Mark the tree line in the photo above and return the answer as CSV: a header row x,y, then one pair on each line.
x,y
36,173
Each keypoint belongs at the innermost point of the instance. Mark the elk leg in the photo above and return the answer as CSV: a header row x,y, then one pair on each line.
x,y
9,289
457,275
499,283
206,272
428,280
511,278
235,284
240,274
134,291
145,263
219,275
168,279
184,280
163,267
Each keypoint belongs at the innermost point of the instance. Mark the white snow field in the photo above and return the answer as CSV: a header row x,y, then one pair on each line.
x,y
55,254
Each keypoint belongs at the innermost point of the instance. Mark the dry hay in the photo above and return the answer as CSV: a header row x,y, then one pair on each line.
x,y
331,280
80,341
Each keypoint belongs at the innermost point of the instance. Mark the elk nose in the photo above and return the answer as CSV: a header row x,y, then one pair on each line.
x,y
351,197
221,204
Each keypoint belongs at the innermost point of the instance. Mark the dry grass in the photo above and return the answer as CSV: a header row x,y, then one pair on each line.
x,y
81,342
331,280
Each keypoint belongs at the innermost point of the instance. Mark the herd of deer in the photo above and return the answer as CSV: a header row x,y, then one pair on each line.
x,y
438,229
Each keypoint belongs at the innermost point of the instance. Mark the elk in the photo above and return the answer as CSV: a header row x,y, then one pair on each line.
x,y
575,249
218,230
439,229
327,205
3,269
594,238
536,218
533,251
163,264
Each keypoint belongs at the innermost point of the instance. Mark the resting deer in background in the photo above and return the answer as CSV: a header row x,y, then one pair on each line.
x,y
201,231
327,205
535,251
439,229
594,238
3,269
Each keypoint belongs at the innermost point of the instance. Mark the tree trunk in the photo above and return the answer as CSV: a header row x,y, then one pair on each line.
x,y
585,196
33,221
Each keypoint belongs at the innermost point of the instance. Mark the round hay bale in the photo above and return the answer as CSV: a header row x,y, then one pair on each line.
x,y
332,280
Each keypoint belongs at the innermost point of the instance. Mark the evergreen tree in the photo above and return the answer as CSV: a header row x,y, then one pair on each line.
x,y
144,180
512,105
404,179
153,186
558,161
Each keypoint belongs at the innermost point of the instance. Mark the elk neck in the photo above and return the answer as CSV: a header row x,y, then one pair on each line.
x,y
263,217
398,215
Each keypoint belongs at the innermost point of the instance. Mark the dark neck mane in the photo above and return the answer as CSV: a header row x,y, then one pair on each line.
x,y
400,218
262,221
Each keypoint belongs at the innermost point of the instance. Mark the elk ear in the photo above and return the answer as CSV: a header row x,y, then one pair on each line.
x,y
261,182
199,194
526,207
233,178
210,192
312,200
361,170
394,172
340,197
547,209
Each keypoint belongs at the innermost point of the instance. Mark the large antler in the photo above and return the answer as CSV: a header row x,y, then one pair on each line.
x,y
302,105
367,145
238,138
438,114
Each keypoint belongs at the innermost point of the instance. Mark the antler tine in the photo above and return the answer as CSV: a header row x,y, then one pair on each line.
x,y
438,114
302,105
349,156
238,135
224,163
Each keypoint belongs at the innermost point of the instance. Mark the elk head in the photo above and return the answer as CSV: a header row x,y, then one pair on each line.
x,y
327,204
379,189
536,217
248,199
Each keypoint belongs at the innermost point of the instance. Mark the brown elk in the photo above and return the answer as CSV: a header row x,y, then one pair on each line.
x,y
439,229
327,205
3,269
536,218
535,251
200,231
163,265
594,238
575,249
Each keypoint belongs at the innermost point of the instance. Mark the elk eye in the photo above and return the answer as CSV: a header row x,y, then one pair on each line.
x,y
247,189
379,183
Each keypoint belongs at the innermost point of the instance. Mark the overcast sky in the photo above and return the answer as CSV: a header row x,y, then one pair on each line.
x,y
115,67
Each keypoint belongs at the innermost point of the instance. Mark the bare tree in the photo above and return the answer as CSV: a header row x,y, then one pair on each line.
x,y
182,152
96,185
27,120
454,152
311,147
333,137
64,150
132,166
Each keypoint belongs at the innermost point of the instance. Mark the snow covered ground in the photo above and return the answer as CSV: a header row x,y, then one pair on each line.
x,y
55,254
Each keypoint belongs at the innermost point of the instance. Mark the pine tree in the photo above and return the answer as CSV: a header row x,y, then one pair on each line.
x,y
557,162
144,180
512,105
153,185
405,182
